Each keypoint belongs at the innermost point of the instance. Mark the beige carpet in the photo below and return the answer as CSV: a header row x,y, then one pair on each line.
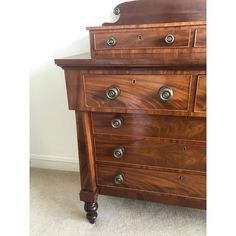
x,y
56,211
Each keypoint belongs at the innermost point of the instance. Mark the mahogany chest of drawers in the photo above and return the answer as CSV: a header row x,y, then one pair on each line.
x,y
140,104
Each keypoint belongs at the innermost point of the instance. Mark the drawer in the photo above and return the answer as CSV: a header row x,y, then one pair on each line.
x,y
190,185
200,38
173,127
142,38
134,92
151,151
200,100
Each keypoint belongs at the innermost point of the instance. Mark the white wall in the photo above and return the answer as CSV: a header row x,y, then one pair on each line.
x,y
57,30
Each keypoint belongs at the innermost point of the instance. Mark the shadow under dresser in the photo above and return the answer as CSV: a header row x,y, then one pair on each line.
x,y
140,104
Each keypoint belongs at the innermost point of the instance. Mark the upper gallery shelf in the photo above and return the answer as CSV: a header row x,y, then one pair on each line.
x,y
161,11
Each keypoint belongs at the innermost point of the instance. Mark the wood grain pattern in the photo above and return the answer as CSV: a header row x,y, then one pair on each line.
x,y
162,13
143,38
137,91
172,127
162,61
164,142
88,191
72,84
152,152
149,40
192,185
200,38
153,11
153,196
200,103
181,24
76,90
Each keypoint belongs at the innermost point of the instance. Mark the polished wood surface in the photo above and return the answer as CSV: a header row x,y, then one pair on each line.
x,y
181,24
171,127
150,39
160,197
76,89
193,185
137,91
143,38
89,190
200,38
200,104
168,60
163,143
91,210
72,84
156,11
152,152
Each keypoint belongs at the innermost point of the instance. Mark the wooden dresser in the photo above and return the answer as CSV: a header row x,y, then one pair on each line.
x,y
140,104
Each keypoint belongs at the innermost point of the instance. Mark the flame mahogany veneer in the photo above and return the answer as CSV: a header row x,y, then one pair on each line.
x,y
140,105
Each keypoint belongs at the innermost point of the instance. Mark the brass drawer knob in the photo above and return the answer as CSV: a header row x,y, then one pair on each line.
x,y
166,93
118,152
116,123
111,42
169,39
119,179
112,93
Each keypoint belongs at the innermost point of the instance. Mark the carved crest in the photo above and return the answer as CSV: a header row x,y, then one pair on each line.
x,y
159,11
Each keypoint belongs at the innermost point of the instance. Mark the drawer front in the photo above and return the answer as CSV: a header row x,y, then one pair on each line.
x,y
150,151
200,101
174,127
143,38
200,38
148,92
191,185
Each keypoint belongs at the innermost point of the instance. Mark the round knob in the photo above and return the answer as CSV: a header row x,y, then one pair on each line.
x,y
119,179
169,39
112,93
166,93
116,11
118,152
116,123
111,42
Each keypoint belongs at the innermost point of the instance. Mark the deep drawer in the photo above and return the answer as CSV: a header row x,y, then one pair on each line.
x,y
174,127
151,152
147,92
142,38
191,185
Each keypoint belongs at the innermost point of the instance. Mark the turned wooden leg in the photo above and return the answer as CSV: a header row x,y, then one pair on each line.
x,y
91,209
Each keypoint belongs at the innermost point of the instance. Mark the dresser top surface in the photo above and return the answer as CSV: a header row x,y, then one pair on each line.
x,y
138,60
147,26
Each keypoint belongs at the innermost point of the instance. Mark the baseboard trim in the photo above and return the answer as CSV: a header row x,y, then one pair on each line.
x,y
54,162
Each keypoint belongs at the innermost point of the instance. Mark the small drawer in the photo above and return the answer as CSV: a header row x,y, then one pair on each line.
x,y
183,184
134,92
173,127
142,39
200,38
200,99
151,152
